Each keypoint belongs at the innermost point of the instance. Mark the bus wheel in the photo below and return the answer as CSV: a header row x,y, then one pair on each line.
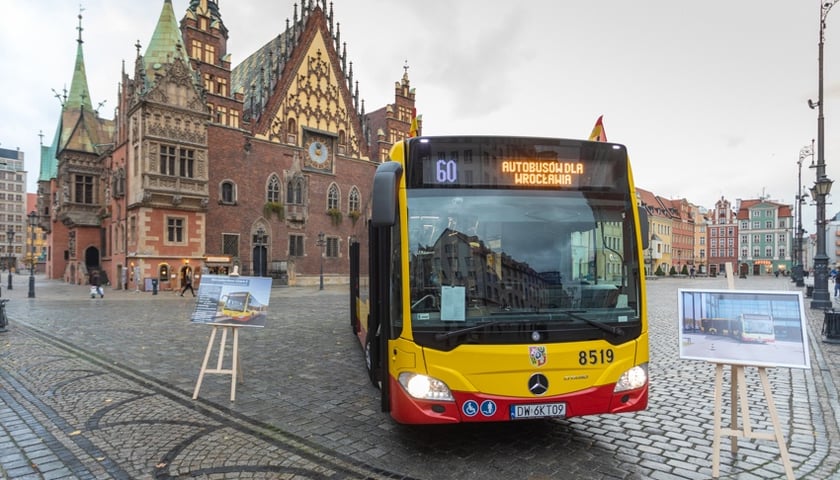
x,y
371,361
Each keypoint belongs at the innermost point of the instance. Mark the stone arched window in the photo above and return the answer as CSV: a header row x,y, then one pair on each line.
x,y
228,192
354,200
163,272
342,142
272,193
294,191
333,202
291,131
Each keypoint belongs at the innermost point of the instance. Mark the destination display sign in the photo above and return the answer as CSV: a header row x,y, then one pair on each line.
x,y
536,173
522,163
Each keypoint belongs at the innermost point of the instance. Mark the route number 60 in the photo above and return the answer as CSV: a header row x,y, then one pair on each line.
x,y
446,171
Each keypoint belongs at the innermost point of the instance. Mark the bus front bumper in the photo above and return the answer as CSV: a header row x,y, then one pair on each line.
x,y
475,407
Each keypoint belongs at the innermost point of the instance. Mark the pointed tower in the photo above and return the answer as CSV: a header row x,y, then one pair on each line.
x,y
205,36
395,119
166,165
69,181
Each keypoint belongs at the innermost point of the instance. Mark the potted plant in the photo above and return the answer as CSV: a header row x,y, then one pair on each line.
x,y
275,208
335,214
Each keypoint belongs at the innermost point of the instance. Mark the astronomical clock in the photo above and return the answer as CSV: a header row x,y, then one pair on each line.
x,y
319,152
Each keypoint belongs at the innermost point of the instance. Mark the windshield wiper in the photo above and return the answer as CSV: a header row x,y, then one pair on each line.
x,y
452,333
617,331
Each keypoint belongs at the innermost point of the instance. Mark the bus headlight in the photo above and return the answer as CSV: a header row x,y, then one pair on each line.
x,y
632,379
424,387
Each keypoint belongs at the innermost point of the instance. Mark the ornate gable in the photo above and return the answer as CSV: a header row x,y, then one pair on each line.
x,y
313,103
175,87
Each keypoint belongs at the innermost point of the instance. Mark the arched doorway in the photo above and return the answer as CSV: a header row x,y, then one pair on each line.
x,y
259,252
92,264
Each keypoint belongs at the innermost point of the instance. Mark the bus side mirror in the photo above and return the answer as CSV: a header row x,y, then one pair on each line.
x,y
384,196
644,227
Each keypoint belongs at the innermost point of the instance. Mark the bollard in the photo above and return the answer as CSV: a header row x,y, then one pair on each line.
x,y
831,327
3,319
154,286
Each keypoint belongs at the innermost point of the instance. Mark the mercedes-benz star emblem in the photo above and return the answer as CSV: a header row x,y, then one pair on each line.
x,y
538,384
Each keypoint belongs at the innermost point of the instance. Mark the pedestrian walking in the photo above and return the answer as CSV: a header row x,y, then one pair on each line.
x,y
836,285
95,287
187,285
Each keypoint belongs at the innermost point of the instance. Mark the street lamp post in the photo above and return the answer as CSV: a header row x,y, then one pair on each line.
x,y
798,269
822,297
10,234
321,243
33,219
822,186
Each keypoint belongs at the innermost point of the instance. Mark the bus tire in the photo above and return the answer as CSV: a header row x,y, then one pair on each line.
x,y
372,359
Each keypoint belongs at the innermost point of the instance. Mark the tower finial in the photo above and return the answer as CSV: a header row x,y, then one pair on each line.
x,y
79,28
62,97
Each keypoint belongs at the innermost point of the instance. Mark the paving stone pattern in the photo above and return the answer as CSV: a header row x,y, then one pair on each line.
x,y
101,388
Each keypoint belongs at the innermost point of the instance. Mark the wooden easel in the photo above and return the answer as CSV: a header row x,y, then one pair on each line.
x,y
236,367
739,390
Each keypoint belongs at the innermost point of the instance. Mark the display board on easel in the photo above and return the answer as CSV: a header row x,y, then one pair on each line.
x,y
229,303
761,329
743,327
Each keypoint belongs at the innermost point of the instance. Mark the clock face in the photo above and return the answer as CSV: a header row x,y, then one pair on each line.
x,y
318,152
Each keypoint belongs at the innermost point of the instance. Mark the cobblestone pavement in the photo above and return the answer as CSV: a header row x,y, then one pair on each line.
x,y
101,388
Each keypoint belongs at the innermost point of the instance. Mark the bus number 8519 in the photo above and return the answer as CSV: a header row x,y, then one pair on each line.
x,y
595,357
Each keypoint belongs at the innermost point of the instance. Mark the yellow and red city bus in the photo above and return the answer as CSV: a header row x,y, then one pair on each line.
x,y
757,328
746,327
504,280
241,307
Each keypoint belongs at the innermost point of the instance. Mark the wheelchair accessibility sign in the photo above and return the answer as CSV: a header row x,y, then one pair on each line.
x,y
471,408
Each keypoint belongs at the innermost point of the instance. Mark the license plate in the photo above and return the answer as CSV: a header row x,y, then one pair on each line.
x,y
538,410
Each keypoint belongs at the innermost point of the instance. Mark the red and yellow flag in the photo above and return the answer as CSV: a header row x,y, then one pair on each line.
x,y
412,130
598,134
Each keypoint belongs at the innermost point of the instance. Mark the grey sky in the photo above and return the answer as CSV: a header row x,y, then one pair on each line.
x,y
710,97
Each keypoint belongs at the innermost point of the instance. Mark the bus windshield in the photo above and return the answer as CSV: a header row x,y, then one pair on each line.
x,y
237,301
497,264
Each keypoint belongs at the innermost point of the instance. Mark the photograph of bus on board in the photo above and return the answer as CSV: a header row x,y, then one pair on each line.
x,y
761,328
225,300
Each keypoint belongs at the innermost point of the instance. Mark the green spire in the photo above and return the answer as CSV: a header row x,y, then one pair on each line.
x,y
79,97
166,45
